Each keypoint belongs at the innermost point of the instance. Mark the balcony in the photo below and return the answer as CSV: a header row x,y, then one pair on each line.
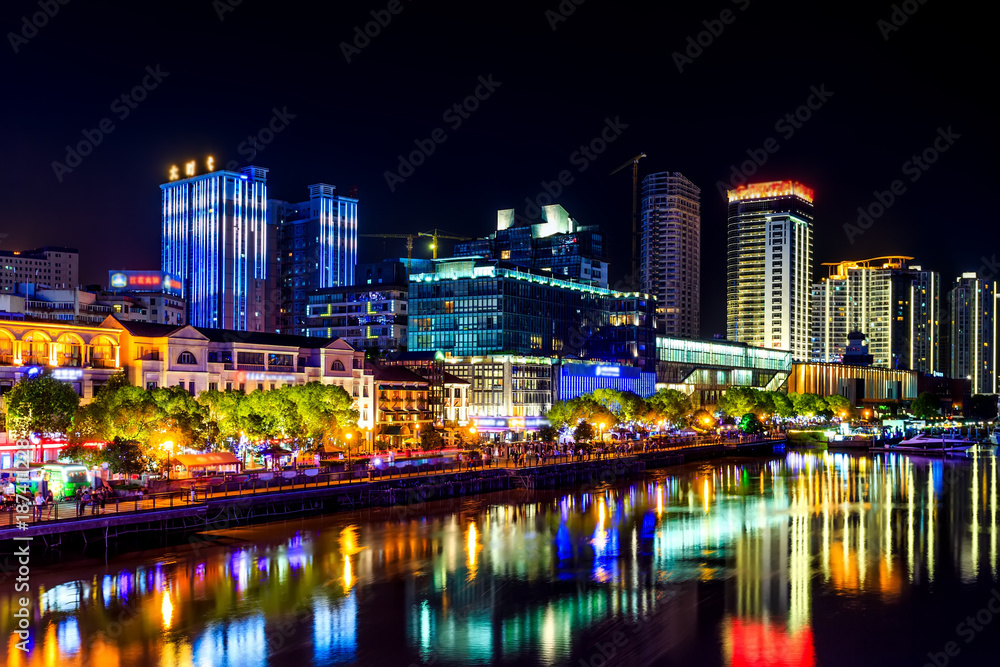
x,y
249,367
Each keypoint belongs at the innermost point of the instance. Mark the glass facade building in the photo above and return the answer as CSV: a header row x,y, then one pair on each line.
x,y
215,243
769,266
704,369
317,249
471,306
670,251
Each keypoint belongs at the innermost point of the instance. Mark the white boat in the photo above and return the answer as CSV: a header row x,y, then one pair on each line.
x,y
931,443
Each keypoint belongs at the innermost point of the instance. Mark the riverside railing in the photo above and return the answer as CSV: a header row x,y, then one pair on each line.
x,y
205,489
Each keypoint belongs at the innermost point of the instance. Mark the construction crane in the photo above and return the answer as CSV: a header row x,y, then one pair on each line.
x,y
409,244
435,234
635,202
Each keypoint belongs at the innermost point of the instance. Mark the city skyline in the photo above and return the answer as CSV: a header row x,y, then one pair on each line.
x,y
858,136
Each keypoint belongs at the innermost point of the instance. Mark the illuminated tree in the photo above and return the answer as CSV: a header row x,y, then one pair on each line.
x,y
583,432
670,405
40,404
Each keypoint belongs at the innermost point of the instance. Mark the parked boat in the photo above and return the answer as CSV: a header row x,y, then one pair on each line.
x,y
930,444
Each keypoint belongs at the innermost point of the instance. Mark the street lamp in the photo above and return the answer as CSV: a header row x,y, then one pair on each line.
x,y
600,433
347,436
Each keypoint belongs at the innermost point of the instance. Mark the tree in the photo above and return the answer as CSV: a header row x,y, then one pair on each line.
x,y
670,405
783,406
430,438
750,424
738,401
583,432
79,453
808,405
548,434
926,405
118,412
40,404
182,420
222,415
839,405
125,457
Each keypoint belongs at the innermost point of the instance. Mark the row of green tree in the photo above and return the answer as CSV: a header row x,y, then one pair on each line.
x,y
609,409
310,415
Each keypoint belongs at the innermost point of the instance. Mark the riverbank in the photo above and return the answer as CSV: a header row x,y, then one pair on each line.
x,y
184,518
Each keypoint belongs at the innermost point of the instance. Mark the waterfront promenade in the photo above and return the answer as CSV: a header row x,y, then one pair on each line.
x,y
191,505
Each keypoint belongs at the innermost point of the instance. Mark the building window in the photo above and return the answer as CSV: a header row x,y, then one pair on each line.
x,y
186,358
150,385
229,386
213,386
338,365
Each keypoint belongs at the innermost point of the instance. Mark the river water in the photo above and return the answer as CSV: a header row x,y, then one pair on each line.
x,y
799,559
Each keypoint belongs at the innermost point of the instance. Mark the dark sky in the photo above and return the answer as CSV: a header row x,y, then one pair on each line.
x,y
225,77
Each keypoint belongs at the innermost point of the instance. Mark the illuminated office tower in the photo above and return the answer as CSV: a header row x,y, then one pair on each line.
x,y
670,251
317,243
215,243
974,333
769,266
894,304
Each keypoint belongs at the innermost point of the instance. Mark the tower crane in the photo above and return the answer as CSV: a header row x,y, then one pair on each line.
x,y
635,194
409,244
435,234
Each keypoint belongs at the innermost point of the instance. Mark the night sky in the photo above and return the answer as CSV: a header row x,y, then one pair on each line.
x,y
226,66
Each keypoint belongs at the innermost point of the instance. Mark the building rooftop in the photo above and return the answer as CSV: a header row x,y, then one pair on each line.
x,y
149,329
396,374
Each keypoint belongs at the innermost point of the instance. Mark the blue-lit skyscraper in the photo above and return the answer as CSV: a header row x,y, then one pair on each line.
x,y
215,242
317,242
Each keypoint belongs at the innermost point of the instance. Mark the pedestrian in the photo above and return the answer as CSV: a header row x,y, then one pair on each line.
x,y
84,500
96,498
39,501
50,501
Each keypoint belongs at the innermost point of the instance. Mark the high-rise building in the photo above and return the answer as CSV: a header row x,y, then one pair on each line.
x,y
894,304
670,251
48,268
558,245
476,307
972,303
317,243
215,243
769,266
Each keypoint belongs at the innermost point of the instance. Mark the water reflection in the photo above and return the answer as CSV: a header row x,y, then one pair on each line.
x,y
728,561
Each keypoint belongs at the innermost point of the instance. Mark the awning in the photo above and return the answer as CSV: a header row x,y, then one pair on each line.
x,y
205,460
